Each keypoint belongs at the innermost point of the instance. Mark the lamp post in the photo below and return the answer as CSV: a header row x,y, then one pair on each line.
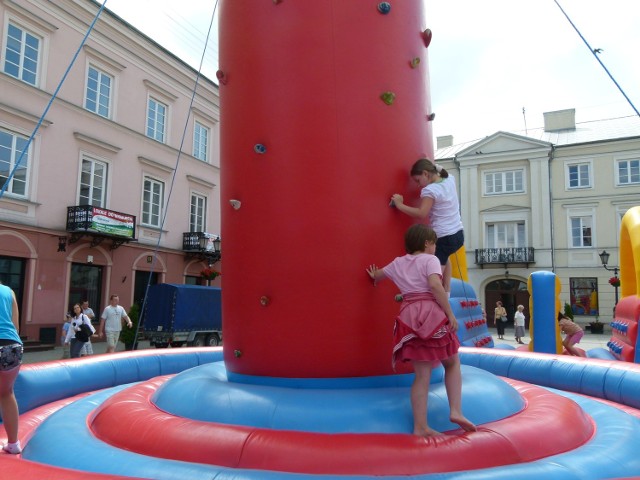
x,y
604,258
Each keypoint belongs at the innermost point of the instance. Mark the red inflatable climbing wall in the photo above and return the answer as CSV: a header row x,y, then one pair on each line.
x,y
324,108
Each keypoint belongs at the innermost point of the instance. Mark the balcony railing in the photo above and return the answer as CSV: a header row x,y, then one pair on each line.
x,y
203,245
100,224
505,256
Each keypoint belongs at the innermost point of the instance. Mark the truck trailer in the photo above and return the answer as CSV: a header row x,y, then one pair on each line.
x,y
177,315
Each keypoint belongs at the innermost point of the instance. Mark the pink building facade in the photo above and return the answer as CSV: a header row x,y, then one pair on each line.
x,y
121,180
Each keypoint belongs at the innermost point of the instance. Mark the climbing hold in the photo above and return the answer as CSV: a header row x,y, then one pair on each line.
x,y
237,353
264,300
431,117
398,297
384,7
259,148
426,36
414,62
388,97
236,204
222,78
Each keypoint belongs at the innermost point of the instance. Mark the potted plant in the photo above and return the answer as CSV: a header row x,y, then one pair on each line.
x,y
209,274
128,335
614,281
568,311
597,326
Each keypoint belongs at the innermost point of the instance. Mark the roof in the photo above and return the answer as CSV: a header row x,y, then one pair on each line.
x,y
585,132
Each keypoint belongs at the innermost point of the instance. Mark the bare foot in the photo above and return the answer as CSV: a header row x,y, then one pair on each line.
x,y
425,432
465,424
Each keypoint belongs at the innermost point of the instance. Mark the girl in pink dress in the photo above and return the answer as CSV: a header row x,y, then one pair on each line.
x,y
424,331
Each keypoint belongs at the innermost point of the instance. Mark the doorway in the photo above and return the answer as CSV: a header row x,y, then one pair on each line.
x,y
12,275
511,292
86,284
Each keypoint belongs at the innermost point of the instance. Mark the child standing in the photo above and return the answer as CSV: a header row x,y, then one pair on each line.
x,y
424,331
573,334
518,322
439,202
65,330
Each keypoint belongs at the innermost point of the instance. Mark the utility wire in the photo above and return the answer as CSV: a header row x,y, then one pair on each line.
x,y
594,52
173,178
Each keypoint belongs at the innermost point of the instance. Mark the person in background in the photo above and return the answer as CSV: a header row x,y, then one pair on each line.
x,y
573,334
111,322
518,322
65,330
87,349
77,319
10,361
498,314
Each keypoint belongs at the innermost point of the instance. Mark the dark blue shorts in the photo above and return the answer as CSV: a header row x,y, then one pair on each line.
x,y
10,356
448,245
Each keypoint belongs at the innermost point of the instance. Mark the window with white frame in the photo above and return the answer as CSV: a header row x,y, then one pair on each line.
x,y
579,175
506,235
93,183
628,172
511,181
22,54
581,231
198,213
200,141
156,119
152,199
98,95
12,147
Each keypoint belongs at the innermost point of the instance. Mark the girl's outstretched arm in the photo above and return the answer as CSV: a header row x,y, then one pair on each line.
x,y
420,212
375,273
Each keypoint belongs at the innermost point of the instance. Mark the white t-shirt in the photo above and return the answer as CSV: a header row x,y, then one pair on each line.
x,y
113,318
444,216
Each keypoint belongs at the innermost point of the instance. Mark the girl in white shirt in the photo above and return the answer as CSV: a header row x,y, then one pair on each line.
x,y
439,202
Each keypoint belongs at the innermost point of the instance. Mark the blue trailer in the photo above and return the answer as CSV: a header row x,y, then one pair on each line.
x,y
180,315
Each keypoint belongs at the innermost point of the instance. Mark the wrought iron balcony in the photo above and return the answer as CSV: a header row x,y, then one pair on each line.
x,y
100,224
505,256
203,245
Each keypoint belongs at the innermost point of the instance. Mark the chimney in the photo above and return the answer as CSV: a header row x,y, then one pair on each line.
x,y
443,142
560,120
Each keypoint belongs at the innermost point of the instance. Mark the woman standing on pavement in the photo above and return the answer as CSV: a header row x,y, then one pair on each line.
x,y
77,319
500,319
10,361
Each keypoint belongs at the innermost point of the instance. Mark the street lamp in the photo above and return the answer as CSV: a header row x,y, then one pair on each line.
x,y
604,258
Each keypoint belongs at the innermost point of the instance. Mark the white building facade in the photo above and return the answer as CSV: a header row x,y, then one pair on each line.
x,y
549,200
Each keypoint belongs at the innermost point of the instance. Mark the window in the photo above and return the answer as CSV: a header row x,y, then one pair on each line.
x,y
579,175
506,235
581,231
93,183
198,213
584,296
152,198
21,54
156,120
11,147
200,141
628,172
98,98
504,182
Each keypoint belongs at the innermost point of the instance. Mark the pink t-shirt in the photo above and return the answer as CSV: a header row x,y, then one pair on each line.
x,y
411,273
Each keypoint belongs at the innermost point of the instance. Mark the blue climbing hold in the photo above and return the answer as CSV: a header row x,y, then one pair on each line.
x,y
384,7
259,148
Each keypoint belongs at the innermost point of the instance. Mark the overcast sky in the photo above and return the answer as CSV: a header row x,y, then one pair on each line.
x,y
488,60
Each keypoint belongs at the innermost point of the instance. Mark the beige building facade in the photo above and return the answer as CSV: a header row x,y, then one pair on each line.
x,y
119,185
547,199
